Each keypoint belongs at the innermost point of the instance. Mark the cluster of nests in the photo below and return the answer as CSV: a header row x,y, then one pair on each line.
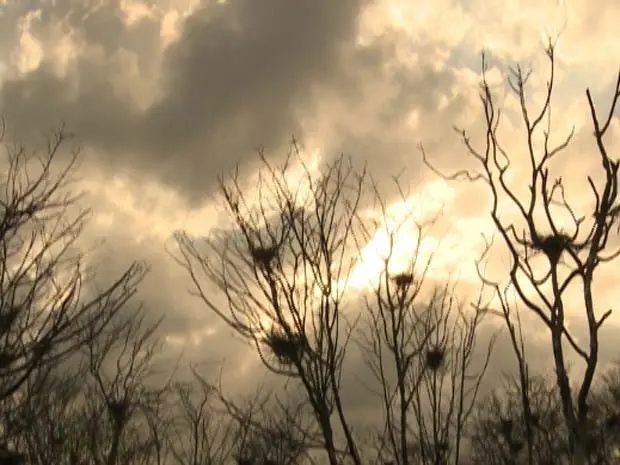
x,y
290,348
436,354
551,245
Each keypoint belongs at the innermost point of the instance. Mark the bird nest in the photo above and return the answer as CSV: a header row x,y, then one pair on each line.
x,y
506,426
288,349
435,358
118,410
9,457
264,256
402,280
515,446
241,460
8,317
552,245
612,421
7,357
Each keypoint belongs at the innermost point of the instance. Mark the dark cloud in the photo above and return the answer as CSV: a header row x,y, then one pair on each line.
x,y
241,74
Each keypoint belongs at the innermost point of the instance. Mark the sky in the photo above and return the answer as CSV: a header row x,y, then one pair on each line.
x,y
164,95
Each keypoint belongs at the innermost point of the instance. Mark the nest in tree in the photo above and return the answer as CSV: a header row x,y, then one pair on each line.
x,y
435,357
441,447
287,349
243,460
118,410
403,279
612,421
6,358
264,256
592,444
506,426
516,446
553,246
42,348
7,318
8,457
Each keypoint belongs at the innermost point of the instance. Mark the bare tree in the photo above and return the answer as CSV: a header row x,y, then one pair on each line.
x,y
497,432
419,343
126,388
270,431
199,434
159,420
452,372
572,252
44,420
100,409
604,418
280,274
45,301
50,303
61,420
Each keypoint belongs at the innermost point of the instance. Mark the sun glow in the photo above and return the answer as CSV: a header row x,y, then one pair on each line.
x,y
398,236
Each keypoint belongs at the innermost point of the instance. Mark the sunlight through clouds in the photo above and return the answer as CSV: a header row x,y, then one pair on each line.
x,y
442,21
166,95
399,227
30,52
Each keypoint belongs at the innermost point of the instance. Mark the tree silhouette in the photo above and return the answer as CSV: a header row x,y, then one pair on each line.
x,y
573,252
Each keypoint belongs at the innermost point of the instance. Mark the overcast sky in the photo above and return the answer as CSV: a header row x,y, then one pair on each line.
x,y
165,94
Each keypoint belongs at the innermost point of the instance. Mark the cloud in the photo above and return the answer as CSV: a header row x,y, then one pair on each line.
x,y
237,76
165,95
